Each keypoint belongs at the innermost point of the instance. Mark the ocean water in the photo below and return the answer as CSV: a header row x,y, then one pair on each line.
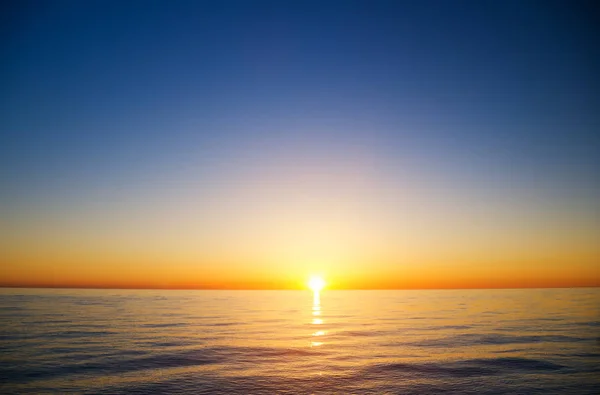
x,y
542,341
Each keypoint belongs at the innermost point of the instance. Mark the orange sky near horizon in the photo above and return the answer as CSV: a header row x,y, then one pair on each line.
x,y
273,221
254,234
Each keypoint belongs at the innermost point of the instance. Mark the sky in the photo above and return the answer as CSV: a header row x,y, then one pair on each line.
x,y
252,144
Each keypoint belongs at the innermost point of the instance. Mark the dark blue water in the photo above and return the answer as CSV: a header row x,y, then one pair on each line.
x,y
542,341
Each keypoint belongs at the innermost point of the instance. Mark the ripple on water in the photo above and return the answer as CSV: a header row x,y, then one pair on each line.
x,y
260,343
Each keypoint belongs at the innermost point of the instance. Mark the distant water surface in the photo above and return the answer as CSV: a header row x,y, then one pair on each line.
x,y
541,341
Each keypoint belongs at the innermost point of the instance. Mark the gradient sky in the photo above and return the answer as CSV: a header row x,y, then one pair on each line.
x,y
251,144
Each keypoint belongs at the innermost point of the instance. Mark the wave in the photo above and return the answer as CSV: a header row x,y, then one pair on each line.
x,y
117,363
495,339
75,334
164,325
457,377
467,368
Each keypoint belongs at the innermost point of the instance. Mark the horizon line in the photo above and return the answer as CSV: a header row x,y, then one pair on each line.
x,y
290,289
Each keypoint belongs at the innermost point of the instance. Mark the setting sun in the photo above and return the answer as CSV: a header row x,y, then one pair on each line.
x,y
316,283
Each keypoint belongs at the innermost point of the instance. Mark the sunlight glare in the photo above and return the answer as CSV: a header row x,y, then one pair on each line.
x,y
316,283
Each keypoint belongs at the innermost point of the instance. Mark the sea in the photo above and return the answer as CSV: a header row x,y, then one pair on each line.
x,y
511,341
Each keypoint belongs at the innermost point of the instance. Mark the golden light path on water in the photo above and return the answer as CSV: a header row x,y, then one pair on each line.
x,y
316,312
316,285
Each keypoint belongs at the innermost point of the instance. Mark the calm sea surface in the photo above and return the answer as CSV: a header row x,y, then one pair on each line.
x,y
542,341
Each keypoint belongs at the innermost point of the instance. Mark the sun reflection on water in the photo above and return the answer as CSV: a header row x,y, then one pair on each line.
x,y
316,300
316,312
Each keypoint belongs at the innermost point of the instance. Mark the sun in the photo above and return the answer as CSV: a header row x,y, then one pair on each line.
x,y
316,283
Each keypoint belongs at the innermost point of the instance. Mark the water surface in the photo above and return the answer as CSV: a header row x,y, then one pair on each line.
x,y
289,342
